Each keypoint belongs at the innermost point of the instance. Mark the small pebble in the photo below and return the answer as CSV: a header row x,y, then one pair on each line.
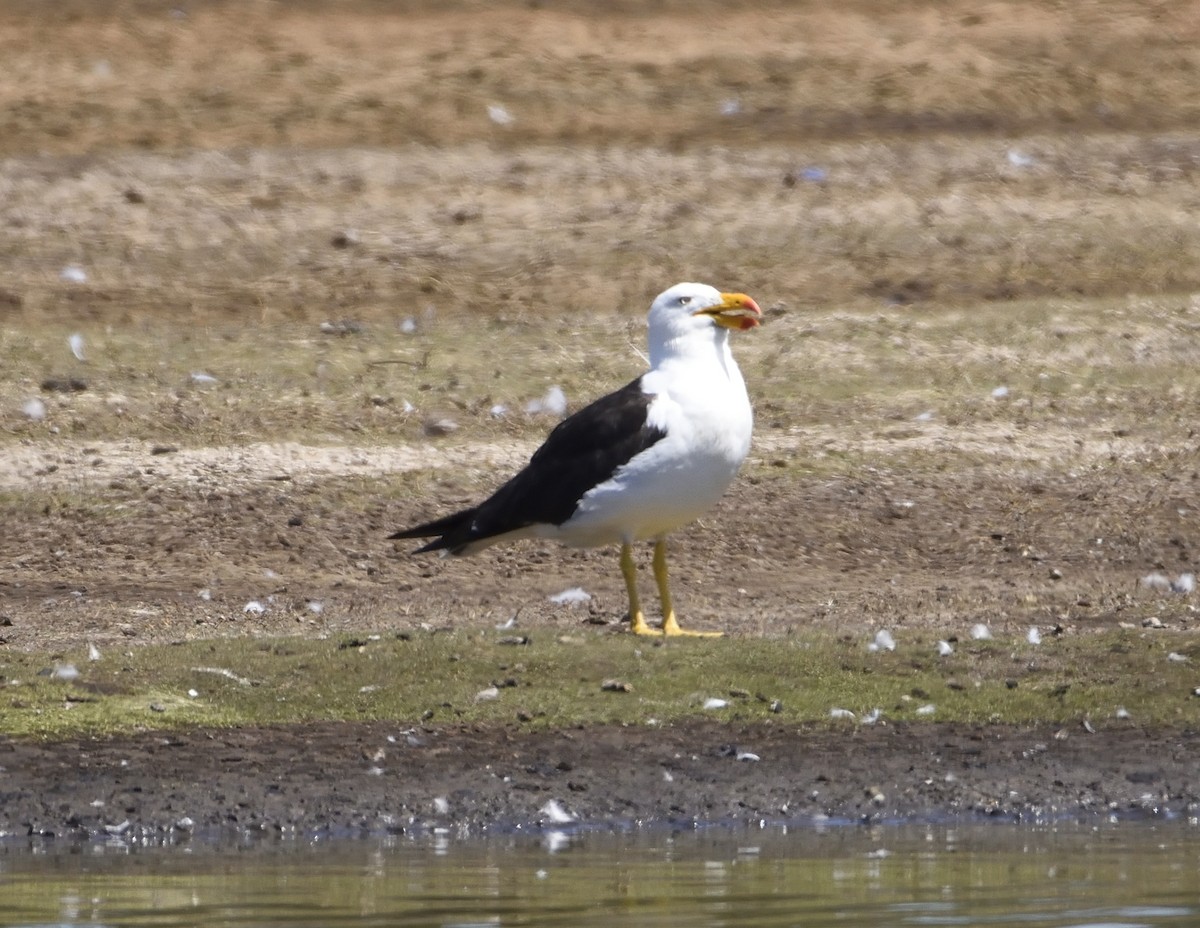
x,y
438,427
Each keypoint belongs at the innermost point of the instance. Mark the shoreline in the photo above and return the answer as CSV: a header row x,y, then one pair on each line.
x,y
364,780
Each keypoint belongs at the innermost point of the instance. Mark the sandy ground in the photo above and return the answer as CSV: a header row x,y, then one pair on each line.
x,y
214,169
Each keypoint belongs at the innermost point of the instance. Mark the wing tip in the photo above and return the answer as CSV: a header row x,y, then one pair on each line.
x,y
443,534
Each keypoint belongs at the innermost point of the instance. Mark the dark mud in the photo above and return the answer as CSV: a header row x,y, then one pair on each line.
x,y
355,780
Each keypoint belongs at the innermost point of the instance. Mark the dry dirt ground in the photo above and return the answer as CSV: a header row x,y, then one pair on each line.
x,y
199,163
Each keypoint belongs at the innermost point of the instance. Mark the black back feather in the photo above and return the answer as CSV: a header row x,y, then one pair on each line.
x,y
582,451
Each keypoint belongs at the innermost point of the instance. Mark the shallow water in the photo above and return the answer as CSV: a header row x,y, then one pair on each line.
x,y
1066,877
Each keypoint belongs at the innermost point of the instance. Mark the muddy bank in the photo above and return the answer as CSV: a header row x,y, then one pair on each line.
x,y
360,779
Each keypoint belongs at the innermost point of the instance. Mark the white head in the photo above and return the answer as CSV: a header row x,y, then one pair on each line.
x,y
689,312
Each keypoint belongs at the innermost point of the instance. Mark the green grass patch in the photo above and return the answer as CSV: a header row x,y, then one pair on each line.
x,y
557,681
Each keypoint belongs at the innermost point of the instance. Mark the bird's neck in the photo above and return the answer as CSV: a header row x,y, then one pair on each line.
x,y
711,348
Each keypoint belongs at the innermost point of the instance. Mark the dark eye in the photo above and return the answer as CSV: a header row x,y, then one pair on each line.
x,y
684,300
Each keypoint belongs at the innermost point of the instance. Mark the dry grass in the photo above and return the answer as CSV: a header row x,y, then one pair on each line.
x,y
84,74
927,153
1115,376
248,238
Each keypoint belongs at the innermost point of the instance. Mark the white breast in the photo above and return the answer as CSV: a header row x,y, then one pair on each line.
x,y
706,414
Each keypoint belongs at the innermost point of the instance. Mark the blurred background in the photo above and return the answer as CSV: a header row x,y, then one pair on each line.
x,y
274,161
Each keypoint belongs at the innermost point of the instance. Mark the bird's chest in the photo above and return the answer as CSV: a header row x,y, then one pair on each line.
x,y
709,424
705,435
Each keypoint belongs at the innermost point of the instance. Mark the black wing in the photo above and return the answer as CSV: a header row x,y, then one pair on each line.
x,y
581,452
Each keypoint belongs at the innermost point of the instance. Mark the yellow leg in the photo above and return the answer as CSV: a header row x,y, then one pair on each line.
x,y
637,618
670,624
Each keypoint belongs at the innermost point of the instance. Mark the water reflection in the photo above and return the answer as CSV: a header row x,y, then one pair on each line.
x,y
1139,875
